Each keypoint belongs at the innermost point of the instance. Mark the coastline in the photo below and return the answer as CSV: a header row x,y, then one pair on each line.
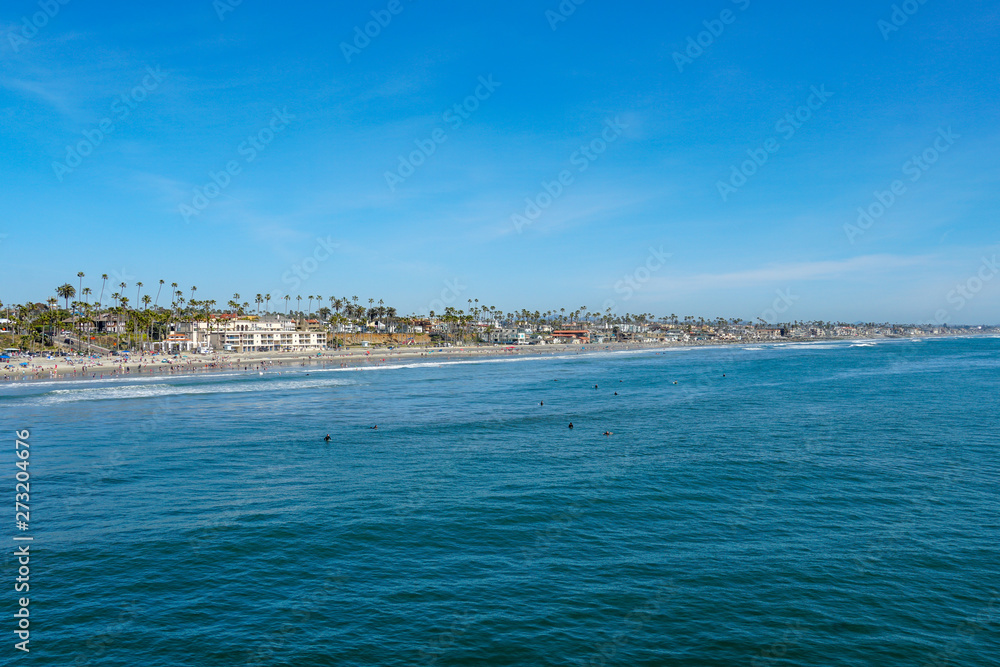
x,y
78,368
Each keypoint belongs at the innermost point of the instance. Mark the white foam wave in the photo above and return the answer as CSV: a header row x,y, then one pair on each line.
x,y
430,363
157,390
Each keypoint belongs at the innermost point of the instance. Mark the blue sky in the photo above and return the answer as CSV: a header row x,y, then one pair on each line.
x,y
330,122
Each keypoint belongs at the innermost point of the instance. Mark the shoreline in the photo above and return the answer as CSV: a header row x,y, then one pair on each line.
x,y
141,366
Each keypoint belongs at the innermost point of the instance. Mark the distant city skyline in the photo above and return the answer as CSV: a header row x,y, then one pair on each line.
x,y
702,160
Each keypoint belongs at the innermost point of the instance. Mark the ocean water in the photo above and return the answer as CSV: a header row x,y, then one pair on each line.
x,y
815,504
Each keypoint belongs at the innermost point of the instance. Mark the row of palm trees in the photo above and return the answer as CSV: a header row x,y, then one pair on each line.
x,y
144,320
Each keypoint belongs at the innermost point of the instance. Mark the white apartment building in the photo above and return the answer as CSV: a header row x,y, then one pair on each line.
x,y
246,335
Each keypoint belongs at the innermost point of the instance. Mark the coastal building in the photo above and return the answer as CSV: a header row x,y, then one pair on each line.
x,y
105,323
511,336
175,342
572,336
253,335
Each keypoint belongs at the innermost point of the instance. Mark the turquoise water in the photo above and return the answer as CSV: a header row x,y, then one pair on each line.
x,y
827,504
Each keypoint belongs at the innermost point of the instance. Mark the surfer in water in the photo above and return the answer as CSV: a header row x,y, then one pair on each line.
x,y
327,438
571,424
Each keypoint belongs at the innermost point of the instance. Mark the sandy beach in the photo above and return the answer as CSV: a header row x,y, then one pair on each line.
x,y
106,366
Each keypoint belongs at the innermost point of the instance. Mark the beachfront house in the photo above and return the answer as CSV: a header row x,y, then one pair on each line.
x,y
571,336
508,336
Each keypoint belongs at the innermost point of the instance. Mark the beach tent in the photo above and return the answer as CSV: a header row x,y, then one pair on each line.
x,y
4,356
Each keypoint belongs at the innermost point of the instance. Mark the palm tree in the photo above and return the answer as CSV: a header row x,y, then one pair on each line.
x,y
86,293
311,297
267,303
158,292
209,303
286,298
259,299
390,313
80,275
298,303
146,300
66,291
104,281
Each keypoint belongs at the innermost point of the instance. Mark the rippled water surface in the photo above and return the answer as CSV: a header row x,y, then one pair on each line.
x,y
828,504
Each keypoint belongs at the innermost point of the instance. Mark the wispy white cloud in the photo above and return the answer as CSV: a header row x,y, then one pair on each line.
x,y
581,206
54,96
792,273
